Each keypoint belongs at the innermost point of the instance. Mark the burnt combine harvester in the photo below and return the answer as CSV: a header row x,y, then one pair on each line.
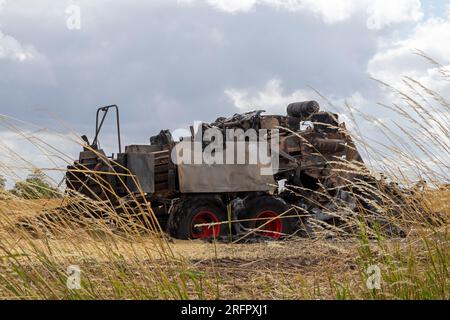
x,y
209,200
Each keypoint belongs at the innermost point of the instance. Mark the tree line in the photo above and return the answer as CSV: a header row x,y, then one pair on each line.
x,y
35,186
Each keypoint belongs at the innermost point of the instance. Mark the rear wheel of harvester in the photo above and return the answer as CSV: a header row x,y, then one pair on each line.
x,y
195,218
269,216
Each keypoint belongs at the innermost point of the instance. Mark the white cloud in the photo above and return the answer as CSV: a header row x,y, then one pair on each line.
x,y
383,13
10,48
330,11
274,99
271,98
395,58
380,13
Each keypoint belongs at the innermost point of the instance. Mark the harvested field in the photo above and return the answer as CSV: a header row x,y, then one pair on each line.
x,y
115,265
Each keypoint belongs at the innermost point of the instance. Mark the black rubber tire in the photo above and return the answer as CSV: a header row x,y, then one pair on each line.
x,y
181,218
257,205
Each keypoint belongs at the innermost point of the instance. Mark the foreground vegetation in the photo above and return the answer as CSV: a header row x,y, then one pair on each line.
x,y
120,265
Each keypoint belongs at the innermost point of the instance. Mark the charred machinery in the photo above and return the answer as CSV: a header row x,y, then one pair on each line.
x,y
204,200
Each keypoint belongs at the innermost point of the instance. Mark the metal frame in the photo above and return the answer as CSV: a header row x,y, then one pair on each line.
x,y
98,126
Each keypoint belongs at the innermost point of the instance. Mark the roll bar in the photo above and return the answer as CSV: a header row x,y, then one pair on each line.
x,y
99,124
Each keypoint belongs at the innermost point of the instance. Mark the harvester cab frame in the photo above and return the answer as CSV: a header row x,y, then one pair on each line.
x,y
99,125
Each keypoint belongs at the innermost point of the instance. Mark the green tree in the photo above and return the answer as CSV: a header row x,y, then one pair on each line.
x,y
35,186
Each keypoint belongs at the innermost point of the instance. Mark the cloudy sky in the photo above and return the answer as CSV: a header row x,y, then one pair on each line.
x,y
167,63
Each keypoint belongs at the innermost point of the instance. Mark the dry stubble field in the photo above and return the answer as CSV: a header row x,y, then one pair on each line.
x,y
120,265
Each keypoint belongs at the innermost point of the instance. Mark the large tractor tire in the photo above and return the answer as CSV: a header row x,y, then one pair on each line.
x,y
266,215
189,213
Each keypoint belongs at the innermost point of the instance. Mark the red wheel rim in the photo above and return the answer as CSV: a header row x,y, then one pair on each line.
x,y
269,223
204,217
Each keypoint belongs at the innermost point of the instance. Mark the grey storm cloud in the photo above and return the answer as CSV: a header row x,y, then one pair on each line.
x,y
167,65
